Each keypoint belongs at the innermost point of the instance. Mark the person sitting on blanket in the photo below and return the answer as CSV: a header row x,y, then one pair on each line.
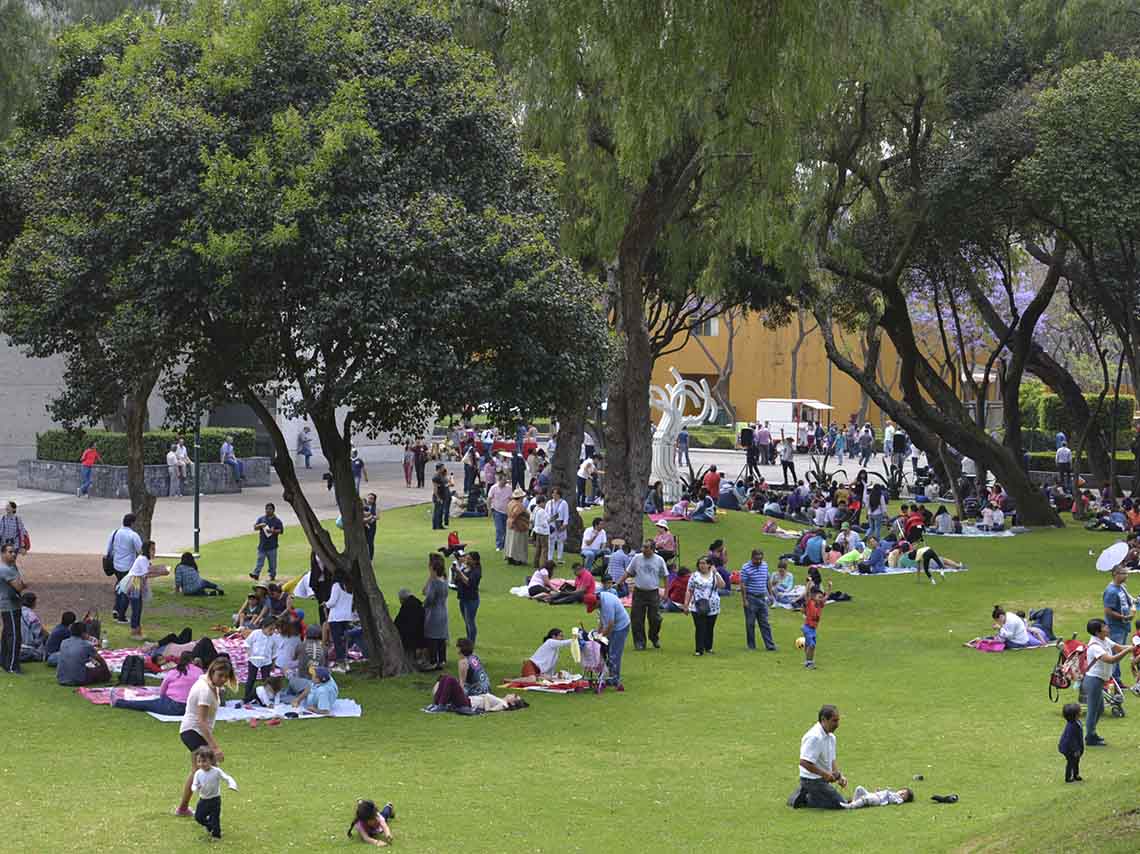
x,y
448,695
320,696
705,511
813,549
172,694
544,661
75,654
251,613
943,523
655,499
472,674
584,584
848,540
876,562
878,798
1011,629
783,582
539,585
675,593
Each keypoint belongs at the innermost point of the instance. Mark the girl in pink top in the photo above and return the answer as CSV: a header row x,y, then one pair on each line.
x,y
171,699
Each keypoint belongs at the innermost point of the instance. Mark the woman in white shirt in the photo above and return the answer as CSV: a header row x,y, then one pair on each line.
x,y
135,585
197,727
340,618
1102,653
544,661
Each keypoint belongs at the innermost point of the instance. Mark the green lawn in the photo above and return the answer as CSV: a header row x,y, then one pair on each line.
x,y
697,751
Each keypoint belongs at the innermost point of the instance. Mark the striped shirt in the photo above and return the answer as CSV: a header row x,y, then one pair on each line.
x,y
11,529
754,579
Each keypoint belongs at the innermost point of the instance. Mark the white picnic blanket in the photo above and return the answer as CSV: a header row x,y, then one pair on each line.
x,y
891,570
235,710
971,531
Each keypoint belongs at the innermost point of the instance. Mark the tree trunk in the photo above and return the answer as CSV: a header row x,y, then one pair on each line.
x,y
386,651
628,437
795,354
136,418
564,466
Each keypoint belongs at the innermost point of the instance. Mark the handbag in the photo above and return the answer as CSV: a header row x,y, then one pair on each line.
x,y
703,606
108,560
25,542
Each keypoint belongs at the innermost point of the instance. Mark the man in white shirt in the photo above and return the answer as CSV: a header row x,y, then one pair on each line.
x,y
174,472
1011,628
1065,465
593,543
818,767
185,464
586,472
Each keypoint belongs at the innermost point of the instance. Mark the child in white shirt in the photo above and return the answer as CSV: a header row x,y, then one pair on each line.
x,y
262,646
987,518
880,798
208,784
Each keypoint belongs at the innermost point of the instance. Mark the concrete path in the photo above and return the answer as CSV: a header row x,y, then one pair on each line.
x,y
64,524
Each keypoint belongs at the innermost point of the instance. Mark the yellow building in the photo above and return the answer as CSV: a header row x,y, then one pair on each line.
x,y
789,362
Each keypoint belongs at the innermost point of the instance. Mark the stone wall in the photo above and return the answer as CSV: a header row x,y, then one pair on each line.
x,y
111,481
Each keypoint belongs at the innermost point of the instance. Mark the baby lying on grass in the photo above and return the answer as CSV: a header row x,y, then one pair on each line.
x,y
880,798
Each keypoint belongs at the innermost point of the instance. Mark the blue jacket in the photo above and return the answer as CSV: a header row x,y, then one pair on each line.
x,y
878,559
1072,741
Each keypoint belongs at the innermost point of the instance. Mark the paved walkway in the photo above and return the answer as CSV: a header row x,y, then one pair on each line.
x,y
64,524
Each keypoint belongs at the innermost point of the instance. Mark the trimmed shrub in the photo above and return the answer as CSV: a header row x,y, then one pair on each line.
x,y
68,445
1053,416
1047,461
1029,402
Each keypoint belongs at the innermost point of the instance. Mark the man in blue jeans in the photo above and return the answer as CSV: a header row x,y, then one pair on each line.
x,y
269,527
613,623
756,587
1118,610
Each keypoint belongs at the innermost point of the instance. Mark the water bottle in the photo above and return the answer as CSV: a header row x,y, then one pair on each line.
x,y
104,643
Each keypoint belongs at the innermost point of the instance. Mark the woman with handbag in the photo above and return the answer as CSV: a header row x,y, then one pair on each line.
x,y
702,600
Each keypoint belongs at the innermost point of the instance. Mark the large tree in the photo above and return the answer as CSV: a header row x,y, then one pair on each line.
x,y
372,244
671,117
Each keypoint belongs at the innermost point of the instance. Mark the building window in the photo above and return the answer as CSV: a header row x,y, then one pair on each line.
x,y
708,328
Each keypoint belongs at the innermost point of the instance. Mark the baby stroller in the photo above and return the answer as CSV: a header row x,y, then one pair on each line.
x,y
1070,668
593,652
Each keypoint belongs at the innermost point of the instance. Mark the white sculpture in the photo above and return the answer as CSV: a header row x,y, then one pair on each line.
x,y
672,401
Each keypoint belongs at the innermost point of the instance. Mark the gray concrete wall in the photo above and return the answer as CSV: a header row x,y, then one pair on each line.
x,y
111,481
29,384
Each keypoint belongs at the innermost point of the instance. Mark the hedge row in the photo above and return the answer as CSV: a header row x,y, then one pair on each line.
x,y
1047,461
68,445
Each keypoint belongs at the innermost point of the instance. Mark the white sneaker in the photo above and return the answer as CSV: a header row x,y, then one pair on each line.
x,y
78,493
932,581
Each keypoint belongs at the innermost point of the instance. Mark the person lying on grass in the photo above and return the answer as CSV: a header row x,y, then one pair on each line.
x,y
371,823
448,693
878,798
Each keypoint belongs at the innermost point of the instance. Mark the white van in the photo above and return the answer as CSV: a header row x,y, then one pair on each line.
x,y
786,416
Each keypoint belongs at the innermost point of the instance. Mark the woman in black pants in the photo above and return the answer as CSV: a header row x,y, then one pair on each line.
x,y
702,600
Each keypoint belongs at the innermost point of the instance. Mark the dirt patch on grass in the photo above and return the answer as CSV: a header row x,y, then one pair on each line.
x,y
67,582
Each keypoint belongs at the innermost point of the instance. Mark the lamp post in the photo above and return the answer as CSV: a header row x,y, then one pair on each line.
x,y
197,482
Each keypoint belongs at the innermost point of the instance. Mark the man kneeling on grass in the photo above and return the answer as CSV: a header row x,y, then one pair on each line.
x,y
818,766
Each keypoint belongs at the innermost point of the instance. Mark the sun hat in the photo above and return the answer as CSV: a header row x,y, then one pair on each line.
x,y
518,493
661,523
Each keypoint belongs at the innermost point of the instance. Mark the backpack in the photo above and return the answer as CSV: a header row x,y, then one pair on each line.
x,y
132,672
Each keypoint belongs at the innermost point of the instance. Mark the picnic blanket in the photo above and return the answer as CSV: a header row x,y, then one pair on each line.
x,y
997,645
890,570
231,710
667,516
556,583
572,683
102,696
233,646
971,531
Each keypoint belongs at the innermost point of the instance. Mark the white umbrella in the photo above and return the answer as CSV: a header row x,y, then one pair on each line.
x,y
1112,556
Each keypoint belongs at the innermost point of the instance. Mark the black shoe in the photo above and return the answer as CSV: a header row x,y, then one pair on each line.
x,y
657,645
253,575
945,799
639,647
1095,741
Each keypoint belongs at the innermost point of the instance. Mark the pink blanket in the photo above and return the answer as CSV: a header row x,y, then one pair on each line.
x,y
667,516
102,696
232,646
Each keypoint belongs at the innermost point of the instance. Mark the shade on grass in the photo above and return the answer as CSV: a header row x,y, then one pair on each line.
x,y
697,751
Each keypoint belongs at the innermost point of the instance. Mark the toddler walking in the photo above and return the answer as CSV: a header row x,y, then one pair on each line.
x,y
1072,743
208,784
813,609
371,824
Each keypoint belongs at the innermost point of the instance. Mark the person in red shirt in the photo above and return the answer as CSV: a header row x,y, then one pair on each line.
x,y
813,610
915,525
711,482
675,594
584,585
88,461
